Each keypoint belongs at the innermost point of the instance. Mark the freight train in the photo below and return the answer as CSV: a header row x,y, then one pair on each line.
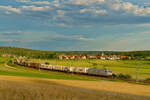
x,y
79,70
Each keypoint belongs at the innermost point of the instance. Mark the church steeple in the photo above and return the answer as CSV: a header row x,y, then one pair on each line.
x,y
103,54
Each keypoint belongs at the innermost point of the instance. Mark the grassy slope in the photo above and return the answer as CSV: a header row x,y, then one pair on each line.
x,y
15,70
127,66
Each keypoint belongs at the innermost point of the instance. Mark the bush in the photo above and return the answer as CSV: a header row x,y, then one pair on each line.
x,y
10,61
124,76
128,76
114,75
47,63
148,79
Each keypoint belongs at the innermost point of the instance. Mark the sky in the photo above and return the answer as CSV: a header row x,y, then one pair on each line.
x,y
75,25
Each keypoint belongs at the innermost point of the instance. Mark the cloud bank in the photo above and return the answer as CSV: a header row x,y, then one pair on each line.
x,y
81,12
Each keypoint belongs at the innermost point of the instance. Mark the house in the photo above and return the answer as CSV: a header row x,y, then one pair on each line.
x,y
98,57
91,57
65,57
115,57
71,57
103,58
124,57
83,57
60,57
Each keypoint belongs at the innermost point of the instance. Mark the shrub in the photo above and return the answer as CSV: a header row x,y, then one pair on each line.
x,y
120,75
148,79
128,76
47,63
10,61
114,75
124,76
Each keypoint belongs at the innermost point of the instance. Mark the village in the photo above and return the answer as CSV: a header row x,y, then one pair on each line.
x,y
102,57
83,57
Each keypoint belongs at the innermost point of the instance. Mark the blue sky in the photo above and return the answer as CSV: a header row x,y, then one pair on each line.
x,y
75,24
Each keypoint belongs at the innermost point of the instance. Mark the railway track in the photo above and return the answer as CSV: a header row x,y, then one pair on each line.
x,y
108,77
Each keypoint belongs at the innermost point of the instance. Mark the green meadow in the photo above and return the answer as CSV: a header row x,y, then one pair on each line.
x,y
9,69
117,66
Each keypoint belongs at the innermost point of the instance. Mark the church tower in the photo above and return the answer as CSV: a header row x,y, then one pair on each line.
x,y
103,54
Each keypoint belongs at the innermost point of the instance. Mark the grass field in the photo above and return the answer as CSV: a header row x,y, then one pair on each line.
x,y
126,67
22,83
117,66
22,88
15,70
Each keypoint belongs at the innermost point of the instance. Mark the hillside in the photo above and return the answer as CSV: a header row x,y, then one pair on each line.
x,y
28,52
54,54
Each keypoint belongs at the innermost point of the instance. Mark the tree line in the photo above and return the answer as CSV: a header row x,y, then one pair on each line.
x,y
54,54
28,53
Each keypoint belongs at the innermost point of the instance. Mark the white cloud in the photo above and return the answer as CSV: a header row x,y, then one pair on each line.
x,y
73,37
64,25
100,11
23,1
41,3
129,8
138,33
144,25
10,9
116,7
94,11
132,43
34,2
86,39
11,32
85,2
83,12
35,8
56,3
9,40
111,6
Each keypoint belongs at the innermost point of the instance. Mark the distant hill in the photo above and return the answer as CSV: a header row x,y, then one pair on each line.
x,y
28,52
55,54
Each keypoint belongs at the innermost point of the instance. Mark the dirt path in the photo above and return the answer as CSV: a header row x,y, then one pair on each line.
x,y
119,87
